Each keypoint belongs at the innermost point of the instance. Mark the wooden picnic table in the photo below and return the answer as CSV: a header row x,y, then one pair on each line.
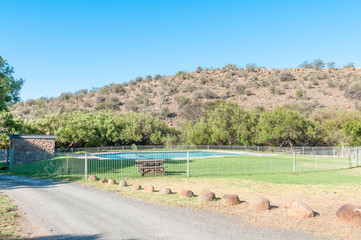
x,y
150,166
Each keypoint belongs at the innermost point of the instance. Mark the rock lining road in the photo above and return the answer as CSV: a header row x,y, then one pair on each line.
x,y
63,210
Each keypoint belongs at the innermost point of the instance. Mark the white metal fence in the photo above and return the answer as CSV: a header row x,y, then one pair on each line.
x,y
192,161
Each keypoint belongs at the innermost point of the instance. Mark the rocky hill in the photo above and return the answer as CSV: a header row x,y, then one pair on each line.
x,y
176,98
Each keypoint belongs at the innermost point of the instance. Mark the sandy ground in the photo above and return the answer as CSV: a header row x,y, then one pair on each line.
x,y
60,210
325,200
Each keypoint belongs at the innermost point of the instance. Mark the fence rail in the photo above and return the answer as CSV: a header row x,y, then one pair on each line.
x,y
192,161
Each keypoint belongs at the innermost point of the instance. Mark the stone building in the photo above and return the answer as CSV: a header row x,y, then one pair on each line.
x,y
29,148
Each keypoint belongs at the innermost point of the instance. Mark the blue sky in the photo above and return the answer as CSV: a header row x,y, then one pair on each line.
x,y
67,45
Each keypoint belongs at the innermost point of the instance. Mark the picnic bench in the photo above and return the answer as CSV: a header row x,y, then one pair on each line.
x,y
147,167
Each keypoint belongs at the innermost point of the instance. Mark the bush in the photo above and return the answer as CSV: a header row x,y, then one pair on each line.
x,y
157,76
148,78
139,79
192,111
287,77
188,88
165,112
65,96
100,99
107,105
230,66
349,65
316,64
241,89
203,81
301,93
251,67
209,94
117,88
183,75
353,91
131,105
181,101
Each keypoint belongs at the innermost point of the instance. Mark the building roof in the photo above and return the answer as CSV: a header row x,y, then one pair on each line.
x,y
31,136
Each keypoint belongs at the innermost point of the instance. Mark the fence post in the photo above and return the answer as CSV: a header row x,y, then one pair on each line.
x,y
357,157
11,158
86,166
294,161
187,163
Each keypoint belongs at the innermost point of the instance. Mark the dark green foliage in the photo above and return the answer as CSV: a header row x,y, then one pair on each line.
x,y
79,129
148,78
353,131
139,79
283,127
222,123
157,76
10,86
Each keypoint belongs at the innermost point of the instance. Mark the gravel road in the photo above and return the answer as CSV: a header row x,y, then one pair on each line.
x,y
61,210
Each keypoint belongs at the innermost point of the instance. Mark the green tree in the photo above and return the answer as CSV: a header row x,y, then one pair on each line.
x,y
9,86
280,127
221,123
353,132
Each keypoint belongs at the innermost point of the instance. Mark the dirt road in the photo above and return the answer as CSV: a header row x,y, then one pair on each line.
x,y
60,210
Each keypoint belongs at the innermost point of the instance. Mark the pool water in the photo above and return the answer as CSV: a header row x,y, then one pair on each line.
x,y
164,155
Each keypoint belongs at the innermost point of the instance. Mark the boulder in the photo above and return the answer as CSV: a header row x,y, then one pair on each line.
x,y
93,178
103,180
165,191
111,181
186,193
206,195
299,209
149,188
349,214
137,187
123,183
230,199
259,204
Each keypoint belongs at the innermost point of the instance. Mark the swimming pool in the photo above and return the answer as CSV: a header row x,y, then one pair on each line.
x,y
165,155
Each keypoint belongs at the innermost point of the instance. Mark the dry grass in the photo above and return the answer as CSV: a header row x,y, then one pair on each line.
x,y
324,199
9,219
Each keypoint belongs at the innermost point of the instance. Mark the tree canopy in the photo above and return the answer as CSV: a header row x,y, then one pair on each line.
x,y
9,86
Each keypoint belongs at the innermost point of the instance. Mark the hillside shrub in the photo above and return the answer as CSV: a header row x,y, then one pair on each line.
x,y
287,77
353,91
107,105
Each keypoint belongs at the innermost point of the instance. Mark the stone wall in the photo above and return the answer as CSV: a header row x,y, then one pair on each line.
x,y
29,150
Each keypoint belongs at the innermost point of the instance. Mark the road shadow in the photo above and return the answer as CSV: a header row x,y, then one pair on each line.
x,y
68,237
9,182
77,237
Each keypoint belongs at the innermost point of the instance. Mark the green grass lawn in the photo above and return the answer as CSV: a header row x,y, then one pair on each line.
x,y
269,167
